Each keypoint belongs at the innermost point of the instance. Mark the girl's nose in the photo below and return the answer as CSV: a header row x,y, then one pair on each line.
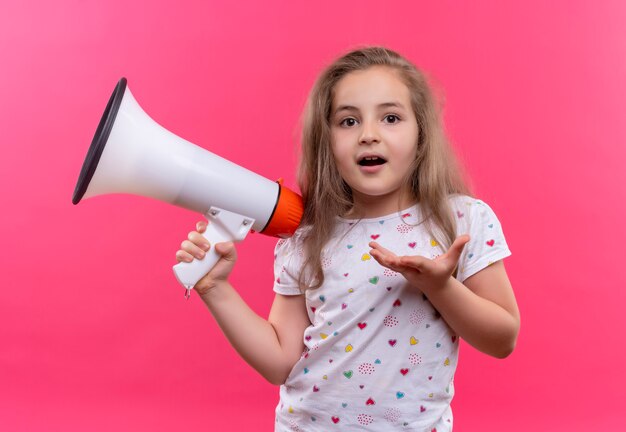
x,y
369,134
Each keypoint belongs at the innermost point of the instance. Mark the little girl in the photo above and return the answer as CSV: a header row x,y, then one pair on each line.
x,y
392,264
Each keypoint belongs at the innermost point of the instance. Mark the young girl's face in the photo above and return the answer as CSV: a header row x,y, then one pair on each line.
x,y
374,138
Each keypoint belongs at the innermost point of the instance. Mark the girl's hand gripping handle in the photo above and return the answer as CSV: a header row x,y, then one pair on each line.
x,y
223,226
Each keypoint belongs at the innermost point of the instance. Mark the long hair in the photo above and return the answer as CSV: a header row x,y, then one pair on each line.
x,y
434,176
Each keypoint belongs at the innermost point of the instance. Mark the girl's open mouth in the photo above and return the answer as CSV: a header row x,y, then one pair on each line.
x,y
371,161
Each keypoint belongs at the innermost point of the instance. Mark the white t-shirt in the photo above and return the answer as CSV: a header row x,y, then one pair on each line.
x,y
377,356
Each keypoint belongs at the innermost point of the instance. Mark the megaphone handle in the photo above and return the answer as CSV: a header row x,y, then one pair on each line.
x,y
223,226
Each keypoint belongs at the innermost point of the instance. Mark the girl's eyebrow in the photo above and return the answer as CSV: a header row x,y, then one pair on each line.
x,y
345,108
391,105
382,105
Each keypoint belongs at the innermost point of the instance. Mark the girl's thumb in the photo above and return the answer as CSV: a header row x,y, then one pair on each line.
x,y
457,247
226,250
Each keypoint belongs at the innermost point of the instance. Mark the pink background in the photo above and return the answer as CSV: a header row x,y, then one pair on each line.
x,y
95,333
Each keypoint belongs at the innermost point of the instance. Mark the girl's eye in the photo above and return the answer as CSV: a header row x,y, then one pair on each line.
x,y
348,122
392,118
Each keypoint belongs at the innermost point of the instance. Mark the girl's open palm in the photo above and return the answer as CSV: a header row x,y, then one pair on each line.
x,y
421,272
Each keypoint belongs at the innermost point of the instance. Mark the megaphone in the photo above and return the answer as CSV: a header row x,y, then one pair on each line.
x,y
131,153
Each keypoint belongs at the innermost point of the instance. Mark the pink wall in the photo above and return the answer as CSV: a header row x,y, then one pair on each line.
x,y
94,331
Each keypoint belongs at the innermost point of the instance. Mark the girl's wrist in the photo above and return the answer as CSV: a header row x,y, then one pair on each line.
x,y
211,290
440,289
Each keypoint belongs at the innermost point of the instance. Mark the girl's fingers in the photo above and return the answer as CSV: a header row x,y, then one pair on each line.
x,y
379,253
382,255
460,242
182,256
201,226
454,253
196,245
199,240
414,261
192,249
377,247
388,259
378,256
227,250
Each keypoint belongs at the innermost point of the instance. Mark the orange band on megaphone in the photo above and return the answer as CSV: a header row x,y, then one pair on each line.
x,y
287,214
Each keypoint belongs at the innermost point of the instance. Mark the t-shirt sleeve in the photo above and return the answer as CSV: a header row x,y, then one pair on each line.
x,y
487,243
287,263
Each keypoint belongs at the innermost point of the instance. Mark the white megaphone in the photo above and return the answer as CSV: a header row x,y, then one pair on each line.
x,y
130,153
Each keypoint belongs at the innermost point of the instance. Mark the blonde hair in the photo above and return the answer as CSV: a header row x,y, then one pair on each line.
x,y
434,175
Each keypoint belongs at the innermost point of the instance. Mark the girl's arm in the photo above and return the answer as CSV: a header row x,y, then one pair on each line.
x,y
270,346
482,310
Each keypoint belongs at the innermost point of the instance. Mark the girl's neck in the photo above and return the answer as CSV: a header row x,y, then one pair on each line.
x,y
373,207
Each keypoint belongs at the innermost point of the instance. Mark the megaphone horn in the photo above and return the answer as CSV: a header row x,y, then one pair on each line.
x,y
131,153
